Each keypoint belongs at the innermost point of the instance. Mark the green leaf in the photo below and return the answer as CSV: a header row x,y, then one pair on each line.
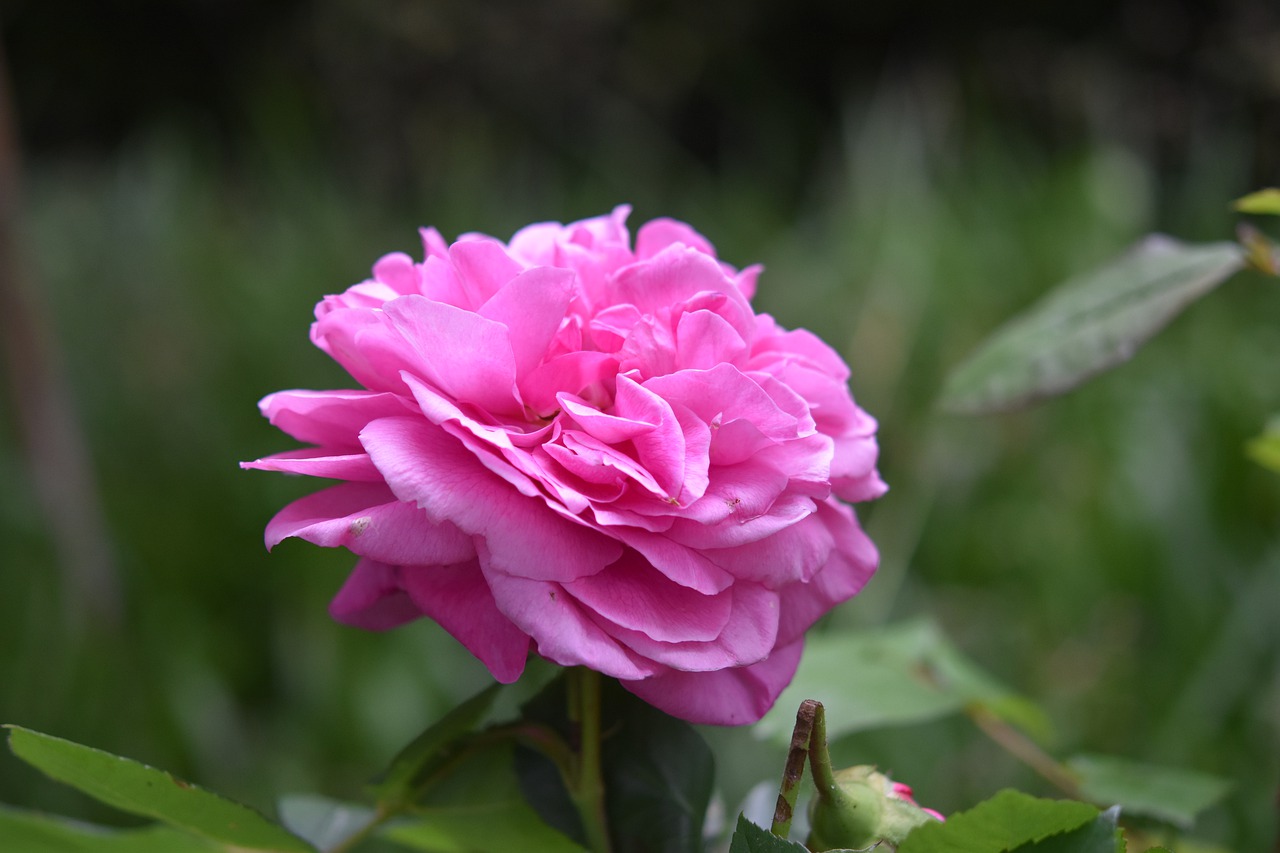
x,y
322,821
658,773
1100,835
1265,449
1164,793
33,832
479,806
895,675
749,838
428,750
1089,324
134,787
1263,201
1007,822
658,777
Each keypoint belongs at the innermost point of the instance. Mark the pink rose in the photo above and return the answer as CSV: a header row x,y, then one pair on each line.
x,y
596,452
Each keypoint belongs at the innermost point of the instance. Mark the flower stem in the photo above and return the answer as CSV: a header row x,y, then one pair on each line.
x,y
793,772
588,785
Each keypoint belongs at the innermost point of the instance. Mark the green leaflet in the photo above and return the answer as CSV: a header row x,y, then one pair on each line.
x,y
1091,323
136,788
1009,821
900,674
1165,793
22,830
749,838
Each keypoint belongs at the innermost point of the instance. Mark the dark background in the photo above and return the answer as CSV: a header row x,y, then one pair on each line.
x,y
197,174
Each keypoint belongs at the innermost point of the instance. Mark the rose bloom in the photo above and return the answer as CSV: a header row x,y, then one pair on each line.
x,y
596,452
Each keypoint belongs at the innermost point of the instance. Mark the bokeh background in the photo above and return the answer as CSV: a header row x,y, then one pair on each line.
x,y
196,174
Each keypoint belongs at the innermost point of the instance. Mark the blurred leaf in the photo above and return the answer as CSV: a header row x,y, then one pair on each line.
x,y
1008,821
1089,324
906,673
1263,201
139,789
658,776
427,749
1100,835
540,779
38,833
1168,794
749,838
479,806
322,821
1265,449
658,772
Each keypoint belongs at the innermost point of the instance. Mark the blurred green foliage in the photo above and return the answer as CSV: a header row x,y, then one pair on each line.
x,y
1112,555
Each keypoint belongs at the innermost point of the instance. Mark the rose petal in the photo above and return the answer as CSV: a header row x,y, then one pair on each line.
x,y
424,465
669,278
329,418
850,565
465,355
747,637
560,628
632,594
678,563
459,599
704,339
362,341
318,462
657,234
531,306
483,267
399,272
366,519
372,599
729,697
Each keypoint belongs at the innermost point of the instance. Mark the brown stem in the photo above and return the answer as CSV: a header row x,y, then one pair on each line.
x,y
1025,750
793,771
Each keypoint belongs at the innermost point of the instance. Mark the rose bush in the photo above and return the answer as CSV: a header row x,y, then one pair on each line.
x,y
597,452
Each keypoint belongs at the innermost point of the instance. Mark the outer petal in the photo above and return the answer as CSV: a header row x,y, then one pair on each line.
x,y
562,630
398,271
851,564
318,462
728,697
748,636
632,594
459,599
372,599
363,342
657,234
329,418
366,519
426,466
669,278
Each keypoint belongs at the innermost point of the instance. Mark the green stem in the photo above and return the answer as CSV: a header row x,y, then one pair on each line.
x,y
587,789
824,778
